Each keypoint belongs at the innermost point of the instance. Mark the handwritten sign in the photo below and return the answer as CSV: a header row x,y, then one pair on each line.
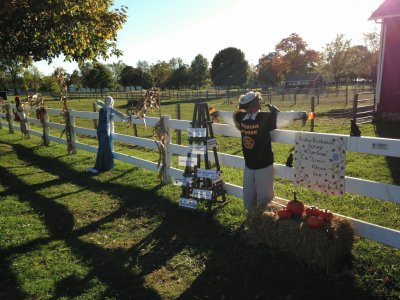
x,y
197,132
320,163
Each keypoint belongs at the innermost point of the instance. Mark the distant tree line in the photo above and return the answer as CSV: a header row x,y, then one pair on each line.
x,y
85,31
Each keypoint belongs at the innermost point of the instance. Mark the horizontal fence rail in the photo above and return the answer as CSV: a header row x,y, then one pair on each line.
x,y
369,145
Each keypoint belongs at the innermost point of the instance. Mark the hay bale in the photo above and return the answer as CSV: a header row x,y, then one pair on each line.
x,y
322,248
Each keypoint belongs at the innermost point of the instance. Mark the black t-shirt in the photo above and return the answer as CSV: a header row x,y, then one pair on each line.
x,y
256,139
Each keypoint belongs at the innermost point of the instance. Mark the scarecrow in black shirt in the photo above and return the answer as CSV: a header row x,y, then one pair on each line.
x,y
255,127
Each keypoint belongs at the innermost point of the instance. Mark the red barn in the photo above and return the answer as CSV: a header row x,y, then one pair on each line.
x,y
388,81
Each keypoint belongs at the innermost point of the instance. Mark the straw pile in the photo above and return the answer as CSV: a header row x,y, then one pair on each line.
x,y
323,248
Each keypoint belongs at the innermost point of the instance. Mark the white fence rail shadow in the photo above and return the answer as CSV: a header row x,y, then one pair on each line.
x,y
370,145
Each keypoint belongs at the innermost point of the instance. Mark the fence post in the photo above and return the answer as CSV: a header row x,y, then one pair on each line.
x,y
168,155
355,102
46,131
313,112
178,117
9,117
94,120
347,94
73,132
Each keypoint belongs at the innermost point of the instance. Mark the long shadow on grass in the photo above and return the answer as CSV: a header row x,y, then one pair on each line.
x,y
105,264
233,268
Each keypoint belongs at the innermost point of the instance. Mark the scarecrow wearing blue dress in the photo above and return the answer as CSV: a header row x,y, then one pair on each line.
x,y
105,130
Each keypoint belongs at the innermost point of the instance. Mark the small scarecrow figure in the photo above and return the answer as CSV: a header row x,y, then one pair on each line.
x,y
105,129
21,116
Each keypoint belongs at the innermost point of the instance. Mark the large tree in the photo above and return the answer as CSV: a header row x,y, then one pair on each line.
x,y
200,73
229,67
44,29
33,78
131,76
14,68
99,77
296,55
116,69
180,77
336,57
270,69
161,72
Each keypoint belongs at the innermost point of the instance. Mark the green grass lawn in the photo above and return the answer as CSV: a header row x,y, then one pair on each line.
x,y
68,234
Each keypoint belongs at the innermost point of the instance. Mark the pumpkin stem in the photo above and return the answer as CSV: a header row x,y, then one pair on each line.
x,y
294,196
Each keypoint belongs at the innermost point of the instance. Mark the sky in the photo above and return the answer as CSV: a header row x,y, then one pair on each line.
x,y
158,30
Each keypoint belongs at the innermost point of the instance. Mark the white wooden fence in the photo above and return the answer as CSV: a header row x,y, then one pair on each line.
x,y
370,145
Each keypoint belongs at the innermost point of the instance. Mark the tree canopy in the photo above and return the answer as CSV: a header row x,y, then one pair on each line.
x,y
296,56
99,77
229,67
44,29
200,72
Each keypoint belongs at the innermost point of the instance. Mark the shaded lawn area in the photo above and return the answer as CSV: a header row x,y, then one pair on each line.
x,y
65,233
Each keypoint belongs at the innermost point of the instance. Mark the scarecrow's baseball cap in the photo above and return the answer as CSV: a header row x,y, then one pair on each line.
x,y
244,100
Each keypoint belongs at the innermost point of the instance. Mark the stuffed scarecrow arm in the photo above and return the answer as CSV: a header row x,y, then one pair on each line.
x,y
114,112
226,117
118,114
286,118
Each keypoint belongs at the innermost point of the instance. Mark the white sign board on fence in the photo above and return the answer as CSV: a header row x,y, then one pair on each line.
x,y
197,132
183,181
202,194
188,203
211,143
187,161
206,173
197,149
320,163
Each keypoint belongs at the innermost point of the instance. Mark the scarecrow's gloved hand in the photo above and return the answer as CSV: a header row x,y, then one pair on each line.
x,y
214,113
127,119
304,117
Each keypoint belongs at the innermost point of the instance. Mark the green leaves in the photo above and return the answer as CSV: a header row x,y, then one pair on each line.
x,y
81,30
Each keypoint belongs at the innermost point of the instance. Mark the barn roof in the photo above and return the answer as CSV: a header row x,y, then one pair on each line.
x,y
388,9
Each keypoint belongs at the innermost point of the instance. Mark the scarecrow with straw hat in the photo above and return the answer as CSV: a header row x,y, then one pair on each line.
x,y
255,127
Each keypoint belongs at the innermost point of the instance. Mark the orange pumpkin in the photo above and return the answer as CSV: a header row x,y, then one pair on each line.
x,y
296,206
312,211
327,215
284,213
315,222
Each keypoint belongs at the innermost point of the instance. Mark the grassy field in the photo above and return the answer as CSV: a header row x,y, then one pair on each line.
x,y
119,235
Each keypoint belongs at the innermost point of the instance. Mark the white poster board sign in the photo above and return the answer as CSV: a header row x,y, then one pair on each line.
x,y
197,132
188,162
188,203
197,149
202,194
183,181
320,163
207,173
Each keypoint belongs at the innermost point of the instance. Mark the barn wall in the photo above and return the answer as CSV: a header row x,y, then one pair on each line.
x,y
390,86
